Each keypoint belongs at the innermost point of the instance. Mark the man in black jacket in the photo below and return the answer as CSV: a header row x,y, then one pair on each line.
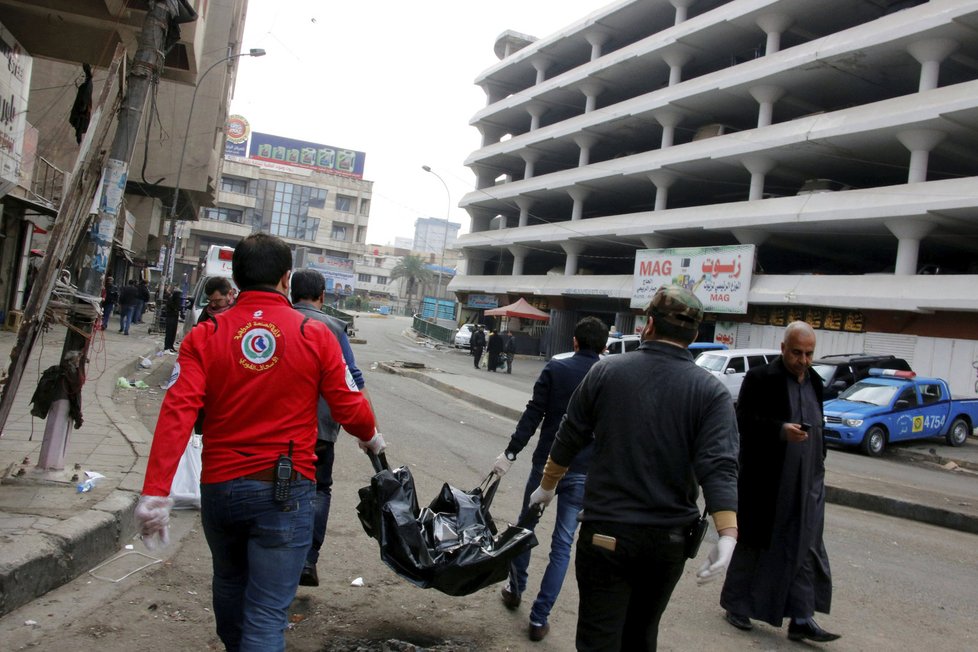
x,y
128,297
780,568
478,344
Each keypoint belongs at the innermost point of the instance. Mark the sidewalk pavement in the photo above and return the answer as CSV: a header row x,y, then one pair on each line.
x,y
51,533
927,493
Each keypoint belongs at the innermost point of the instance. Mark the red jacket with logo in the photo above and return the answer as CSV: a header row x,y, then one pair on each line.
x,y
258,370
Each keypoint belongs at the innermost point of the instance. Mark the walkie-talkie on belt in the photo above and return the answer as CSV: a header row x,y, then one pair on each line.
x,y
282,485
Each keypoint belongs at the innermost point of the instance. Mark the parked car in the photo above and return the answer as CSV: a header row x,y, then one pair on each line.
x,y
616,345
889,406
840,372
699,347
464,335
731,365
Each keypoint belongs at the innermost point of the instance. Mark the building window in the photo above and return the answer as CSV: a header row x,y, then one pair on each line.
x,y
365,278
364,206
382,280
230,184
344,204
224,215
282,209
339,232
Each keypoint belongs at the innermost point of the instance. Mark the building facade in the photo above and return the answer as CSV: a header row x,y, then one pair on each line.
x,y
835,137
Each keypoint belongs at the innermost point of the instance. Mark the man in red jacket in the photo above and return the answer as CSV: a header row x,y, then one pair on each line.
x,y
257,370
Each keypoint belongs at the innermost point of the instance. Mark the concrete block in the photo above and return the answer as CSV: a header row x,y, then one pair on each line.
x,y
87,538
31,566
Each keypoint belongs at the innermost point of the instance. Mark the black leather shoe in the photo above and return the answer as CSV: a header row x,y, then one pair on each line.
x,y
510,599
738,621
539,632
810,631
309,577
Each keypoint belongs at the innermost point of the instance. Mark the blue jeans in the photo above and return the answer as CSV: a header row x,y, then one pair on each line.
x,y
324,494
107,314
570,500
125,318
137,312
258,547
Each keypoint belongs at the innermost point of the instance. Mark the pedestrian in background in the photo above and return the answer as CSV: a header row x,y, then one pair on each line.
x,y
551,392
258,371
781,568
143,299
509,350
128,297
477,344
494,347
110,296
220,297
660,425
173,306
308,295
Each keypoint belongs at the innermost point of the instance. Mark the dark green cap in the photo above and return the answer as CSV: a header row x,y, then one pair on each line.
x,y
676,305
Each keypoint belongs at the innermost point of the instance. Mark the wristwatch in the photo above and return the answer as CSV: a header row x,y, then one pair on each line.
x,y
511,456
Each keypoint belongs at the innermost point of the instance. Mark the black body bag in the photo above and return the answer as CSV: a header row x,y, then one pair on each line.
x,y
694,535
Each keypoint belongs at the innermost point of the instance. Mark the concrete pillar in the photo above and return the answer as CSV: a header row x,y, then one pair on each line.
x,y
669,118
585,141
930,53
750,236
536,111
485,177
682,9
530,159
490,134
494,92
920,142
591,90
541,64
676,59
503,221
559,333
655,241
662,179
525,204
572,249
758,166
519,257
774,25
479,218
909,232
597,38
766,96
578,195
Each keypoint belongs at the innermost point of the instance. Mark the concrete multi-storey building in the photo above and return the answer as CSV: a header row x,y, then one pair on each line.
x,y
836,137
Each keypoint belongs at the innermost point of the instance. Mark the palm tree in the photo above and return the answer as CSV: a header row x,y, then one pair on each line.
x,y
414,269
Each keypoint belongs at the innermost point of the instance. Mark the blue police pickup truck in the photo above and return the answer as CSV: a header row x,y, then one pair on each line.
x,y
891,406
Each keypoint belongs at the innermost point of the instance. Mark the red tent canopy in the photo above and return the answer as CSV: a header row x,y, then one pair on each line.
x,y
520,309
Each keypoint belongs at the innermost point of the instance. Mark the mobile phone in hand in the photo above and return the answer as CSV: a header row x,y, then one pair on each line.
x,y
806,426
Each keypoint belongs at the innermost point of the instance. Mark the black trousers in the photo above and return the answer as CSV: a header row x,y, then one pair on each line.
x,y
477,353
624,592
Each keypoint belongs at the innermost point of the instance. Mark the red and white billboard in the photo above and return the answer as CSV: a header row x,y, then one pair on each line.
x,y
720,277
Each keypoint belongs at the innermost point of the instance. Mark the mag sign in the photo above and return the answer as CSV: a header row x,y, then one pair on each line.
x,y
719,276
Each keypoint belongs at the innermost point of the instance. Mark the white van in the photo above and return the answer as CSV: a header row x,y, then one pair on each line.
x,y
217,263
731,365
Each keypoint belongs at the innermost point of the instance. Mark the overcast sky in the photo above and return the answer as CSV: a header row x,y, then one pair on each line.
x,y
391,79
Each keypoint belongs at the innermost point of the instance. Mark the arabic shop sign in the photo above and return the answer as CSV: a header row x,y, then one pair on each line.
x,y
719,276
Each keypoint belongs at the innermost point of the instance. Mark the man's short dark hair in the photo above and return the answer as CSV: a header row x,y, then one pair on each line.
x,y
260,260
307,285
217,284
591,334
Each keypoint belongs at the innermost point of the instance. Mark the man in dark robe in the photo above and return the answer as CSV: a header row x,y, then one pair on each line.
x,y
780,568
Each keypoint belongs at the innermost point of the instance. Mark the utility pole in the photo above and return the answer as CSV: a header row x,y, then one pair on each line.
x,y
96,246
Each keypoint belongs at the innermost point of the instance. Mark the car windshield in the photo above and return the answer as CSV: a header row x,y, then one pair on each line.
x,y
867,392
826,371
711,362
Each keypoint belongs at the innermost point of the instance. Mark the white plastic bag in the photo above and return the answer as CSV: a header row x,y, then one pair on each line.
x,y
185,490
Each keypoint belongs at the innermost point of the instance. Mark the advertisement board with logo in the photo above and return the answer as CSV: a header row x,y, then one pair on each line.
x,y
306,155
720,277
236,132
15,83
337,272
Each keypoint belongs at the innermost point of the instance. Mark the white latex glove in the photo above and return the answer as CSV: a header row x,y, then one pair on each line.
x,y
376,445
542,497
153,519
501,465
717,561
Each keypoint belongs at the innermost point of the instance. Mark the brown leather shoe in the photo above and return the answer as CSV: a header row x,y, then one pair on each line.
x,y
539,632
511,599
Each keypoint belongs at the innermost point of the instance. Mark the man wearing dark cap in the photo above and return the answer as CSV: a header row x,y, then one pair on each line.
x,y
660,426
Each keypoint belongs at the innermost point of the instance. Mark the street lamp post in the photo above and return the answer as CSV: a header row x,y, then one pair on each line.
x,y
444,243
168,260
